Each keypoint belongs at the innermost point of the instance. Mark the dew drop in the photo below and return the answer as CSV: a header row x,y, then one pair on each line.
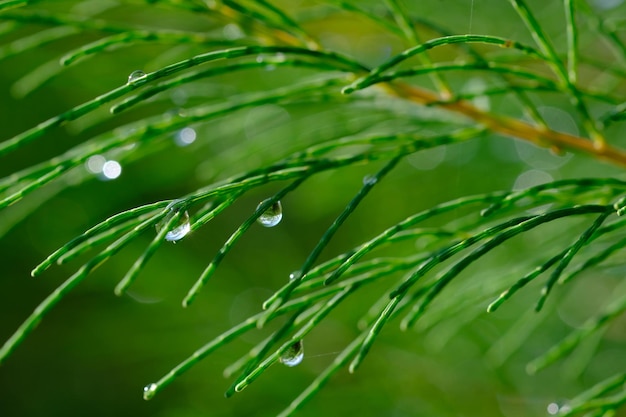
x,y
95,163
272,216
556,408
111,170
295,275
186,136
553,408
294,355
180,230
369,180
149,391
136,76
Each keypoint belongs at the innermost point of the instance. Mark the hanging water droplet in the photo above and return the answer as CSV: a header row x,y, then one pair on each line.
x,y
136,76
294,355
149,391
272,216
182,228
295,275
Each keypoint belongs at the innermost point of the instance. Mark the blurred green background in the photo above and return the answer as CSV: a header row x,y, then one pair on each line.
x,y
93,354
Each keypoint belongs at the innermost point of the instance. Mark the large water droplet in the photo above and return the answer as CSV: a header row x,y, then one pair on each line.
x,y
272,216
182,228
294,355
136,76
295,275
149,391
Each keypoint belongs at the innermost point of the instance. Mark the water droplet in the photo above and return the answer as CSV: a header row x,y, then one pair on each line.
x,y
553,408
149,391
95,163
294,355
369,180
269,60
111,170
186,136
180,230
556,408
295,275
136,76
272,216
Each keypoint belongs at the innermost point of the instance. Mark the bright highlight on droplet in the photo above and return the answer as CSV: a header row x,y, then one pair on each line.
x,y
136,76
106,170
111,170
149,391
272,216
294,355
185,136
180,230
295,275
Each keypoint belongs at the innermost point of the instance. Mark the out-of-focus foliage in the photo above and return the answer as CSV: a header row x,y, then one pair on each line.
x,y
433,161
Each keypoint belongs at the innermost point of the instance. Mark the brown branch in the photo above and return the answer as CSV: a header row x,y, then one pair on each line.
x,y
515,128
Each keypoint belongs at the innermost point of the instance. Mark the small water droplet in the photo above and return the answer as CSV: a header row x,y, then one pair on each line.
x,y
295,275
136,76
95,163
111,170
294,355
186,136
270,60
149,391
369,180
272,216
556,408
180,230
